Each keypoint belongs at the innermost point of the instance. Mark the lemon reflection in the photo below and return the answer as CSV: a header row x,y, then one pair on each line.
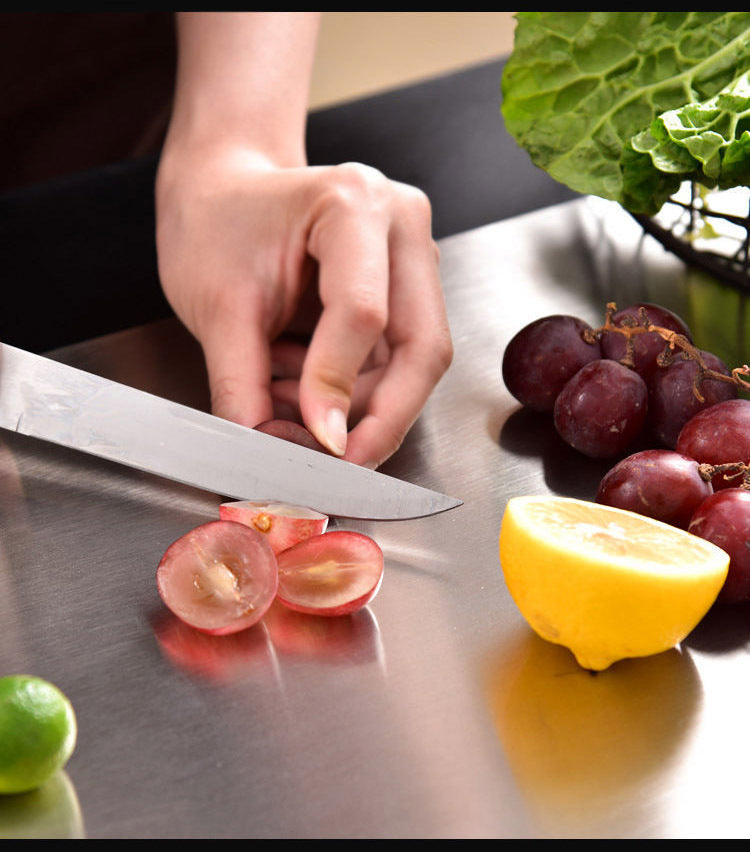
x,y
589,750
50,812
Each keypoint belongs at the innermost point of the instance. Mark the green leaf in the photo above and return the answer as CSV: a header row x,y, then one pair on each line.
x,y
582,91
706,141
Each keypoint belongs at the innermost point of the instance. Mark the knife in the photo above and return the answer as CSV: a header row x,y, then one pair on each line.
x,y
55,402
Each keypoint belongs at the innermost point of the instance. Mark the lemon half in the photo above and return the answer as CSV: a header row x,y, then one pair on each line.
x,y
604,582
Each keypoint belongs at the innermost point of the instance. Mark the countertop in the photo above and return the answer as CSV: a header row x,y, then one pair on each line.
x,y
435,712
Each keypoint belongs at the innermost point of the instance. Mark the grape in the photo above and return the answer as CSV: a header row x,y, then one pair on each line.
x,y
661,484
672,400
335,573
718,435
646,346
542,356
288,430
602,409
724,519
220,577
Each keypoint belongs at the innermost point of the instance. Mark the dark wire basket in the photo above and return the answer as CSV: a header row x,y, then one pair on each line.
x,y
708,229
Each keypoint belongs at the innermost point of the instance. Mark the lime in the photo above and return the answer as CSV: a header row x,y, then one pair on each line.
x,y
37,732
606,583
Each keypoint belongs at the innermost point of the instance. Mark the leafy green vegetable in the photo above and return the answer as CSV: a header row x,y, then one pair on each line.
x,y
627,105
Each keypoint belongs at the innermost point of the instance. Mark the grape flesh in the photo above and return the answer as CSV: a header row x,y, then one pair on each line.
x,y
660,484
647,346
543,355
672,400
602,409
724,519
718,435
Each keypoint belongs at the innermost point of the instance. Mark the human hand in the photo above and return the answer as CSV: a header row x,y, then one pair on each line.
x,y
247,247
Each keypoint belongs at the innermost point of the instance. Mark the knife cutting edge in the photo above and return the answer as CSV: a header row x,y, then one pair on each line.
x,y
64,405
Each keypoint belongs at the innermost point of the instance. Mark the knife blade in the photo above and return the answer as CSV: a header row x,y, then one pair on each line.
x,y
52,401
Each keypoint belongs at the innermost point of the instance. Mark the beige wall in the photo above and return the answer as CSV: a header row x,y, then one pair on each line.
x,y
362,53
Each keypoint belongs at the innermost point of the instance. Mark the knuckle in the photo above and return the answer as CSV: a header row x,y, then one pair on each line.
x,y
368,313
354,185
416,207
334,382
444,354
224,395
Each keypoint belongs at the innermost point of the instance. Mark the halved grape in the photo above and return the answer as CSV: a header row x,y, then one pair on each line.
x,y
601,410
672,400
283,524
220,577
661,484
335,573
543,355
717,435
646,346
724,519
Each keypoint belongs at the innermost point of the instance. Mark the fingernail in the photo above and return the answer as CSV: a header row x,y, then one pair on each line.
x,y
335,431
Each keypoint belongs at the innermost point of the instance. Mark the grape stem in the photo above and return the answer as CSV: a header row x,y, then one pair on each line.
x,y
674,342
730,470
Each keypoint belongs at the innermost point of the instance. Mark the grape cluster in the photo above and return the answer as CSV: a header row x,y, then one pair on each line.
x,y
640,378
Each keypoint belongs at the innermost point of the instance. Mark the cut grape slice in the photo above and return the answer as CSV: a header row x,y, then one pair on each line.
x,y
335,573
220,577
283,524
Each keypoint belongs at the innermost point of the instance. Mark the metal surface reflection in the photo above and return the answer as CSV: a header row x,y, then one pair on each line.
x,y
51,812
592,752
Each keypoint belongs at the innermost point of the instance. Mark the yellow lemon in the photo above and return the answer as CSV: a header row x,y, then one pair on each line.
x,y
606,583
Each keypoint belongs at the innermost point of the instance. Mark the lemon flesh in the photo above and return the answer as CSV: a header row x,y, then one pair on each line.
x,y
37,732
604,582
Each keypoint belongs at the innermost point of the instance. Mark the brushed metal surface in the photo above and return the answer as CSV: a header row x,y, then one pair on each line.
x,y
435,712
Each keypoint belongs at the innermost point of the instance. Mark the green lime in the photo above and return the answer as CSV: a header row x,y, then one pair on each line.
x,y
37,732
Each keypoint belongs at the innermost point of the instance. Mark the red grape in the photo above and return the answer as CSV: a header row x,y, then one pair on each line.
x,y
646,346
335,573
672,400
718,435
288,430
661,484
220,577
724,519
543,355
602,409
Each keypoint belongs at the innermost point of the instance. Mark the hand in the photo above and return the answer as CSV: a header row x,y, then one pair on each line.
x,y
249,250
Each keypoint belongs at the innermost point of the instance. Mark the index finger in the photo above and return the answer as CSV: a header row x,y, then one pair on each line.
x,y
418,334
352,252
